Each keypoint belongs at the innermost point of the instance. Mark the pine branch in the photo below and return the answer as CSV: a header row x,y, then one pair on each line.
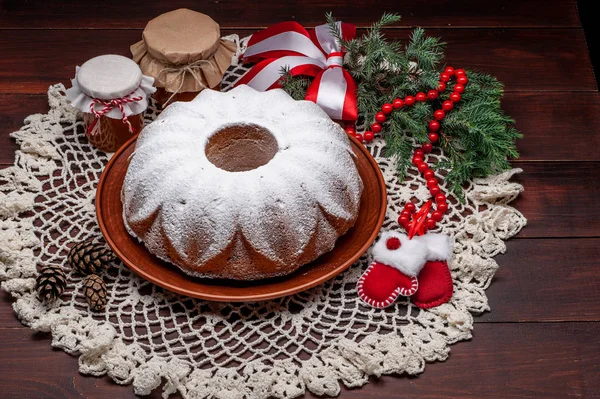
x,y
478,138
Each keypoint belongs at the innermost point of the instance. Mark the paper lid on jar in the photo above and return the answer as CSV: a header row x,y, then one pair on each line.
x,y
183,51
110,77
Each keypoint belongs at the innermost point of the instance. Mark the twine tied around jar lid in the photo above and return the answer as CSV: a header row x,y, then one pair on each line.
x,y
183,51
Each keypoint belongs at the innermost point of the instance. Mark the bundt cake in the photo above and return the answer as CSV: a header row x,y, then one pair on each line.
x,y
242,185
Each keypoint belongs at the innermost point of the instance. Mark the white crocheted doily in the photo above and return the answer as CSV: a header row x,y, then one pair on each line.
x,y
147,336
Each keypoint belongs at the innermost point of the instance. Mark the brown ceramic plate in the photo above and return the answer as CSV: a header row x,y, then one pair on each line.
x,y
348,248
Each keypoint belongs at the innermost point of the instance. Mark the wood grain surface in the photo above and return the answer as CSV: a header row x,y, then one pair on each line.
x,y
540,339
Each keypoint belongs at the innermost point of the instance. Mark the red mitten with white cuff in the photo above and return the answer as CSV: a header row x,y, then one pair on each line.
x,y
414,267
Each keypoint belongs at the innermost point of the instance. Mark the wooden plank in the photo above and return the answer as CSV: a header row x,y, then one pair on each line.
x,y
524,59
554,129
560,199
545,289
71,14
546,280
501,361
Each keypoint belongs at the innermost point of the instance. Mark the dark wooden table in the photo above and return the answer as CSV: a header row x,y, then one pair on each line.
x,y
541,337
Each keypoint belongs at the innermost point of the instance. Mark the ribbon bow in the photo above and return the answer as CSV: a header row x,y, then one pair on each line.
x,y
317,54
107,106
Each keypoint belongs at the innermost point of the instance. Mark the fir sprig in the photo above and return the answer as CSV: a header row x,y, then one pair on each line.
x,y
478,138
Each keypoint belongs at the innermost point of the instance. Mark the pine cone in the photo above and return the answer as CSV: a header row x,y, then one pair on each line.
x,y
50,283
94,290
89,257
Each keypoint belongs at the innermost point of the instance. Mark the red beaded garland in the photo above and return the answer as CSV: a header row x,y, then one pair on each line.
x,y
435,215
462,80
434,126
351,130
387,108
398,103
455,97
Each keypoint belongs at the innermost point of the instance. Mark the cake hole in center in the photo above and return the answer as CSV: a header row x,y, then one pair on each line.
x,y
237,148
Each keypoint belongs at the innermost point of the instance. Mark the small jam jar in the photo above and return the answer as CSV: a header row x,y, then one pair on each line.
x,y
183,51
112,93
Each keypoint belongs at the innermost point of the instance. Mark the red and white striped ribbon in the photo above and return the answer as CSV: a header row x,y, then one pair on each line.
x,y
317,54
108,105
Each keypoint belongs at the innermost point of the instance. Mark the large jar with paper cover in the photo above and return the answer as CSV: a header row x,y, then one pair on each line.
x,y
183,51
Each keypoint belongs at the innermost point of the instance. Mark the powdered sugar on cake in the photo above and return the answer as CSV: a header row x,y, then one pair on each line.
x,y
189,212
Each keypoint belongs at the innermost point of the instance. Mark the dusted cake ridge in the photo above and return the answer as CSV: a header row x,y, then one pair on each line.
x,y
251,224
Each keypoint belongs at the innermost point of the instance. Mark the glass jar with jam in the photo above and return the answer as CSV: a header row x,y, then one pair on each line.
x,y
112,93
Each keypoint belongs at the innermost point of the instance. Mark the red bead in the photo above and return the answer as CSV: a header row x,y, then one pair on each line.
x,y
432,95
439,114
441,86
351,130
419,152
444,77
410,207
433,137
430,223
459,88
417,160
422,167
440,198
437,216
434,126
369,136
393,243
463,80
427,147
358,137
409,100
398,103
387,108
449,70
455,97
432,182
403,220
435,190
421,96
376,127
442,206
405,213
460,72
447,105
429,174
380,117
